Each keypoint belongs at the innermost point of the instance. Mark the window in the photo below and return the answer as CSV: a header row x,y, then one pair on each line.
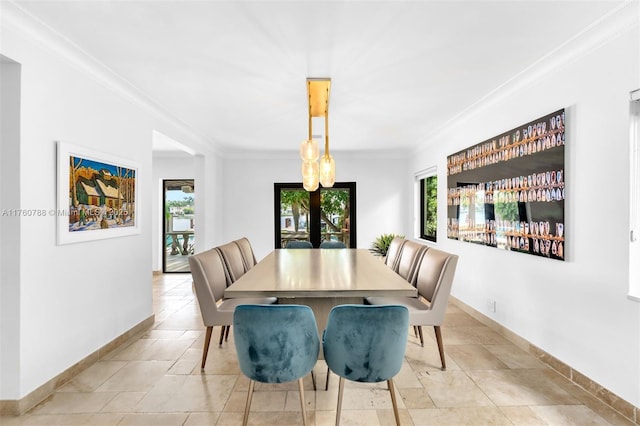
x,y
326,214
428,206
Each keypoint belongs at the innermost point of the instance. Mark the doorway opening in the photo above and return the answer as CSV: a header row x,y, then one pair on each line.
x,y
178,225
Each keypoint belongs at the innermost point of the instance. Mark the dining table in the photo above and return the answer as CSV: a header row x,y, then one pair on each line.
x,y
320,279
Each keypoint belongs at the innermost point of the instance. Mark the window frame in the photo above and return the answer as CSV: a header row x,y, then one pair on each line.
x,y
420,183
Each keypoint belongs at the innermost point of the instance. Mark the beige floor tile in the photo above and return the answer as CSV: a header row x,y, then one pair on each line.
x,y
514,357
468,416
386,417
202,419
173,419
268,401
460,319
131,351
472,336
454,389
359,417
474,357
367,396
326,418
406,377
427,359
568,415
164,334
416,398
522,416
293,401
124,402
166,350
520,387
71,420
188,393
74,402
93,377
136,376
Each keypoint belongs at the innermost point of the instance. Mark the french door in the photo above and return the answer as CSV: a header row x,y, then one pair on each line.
x,y
326,214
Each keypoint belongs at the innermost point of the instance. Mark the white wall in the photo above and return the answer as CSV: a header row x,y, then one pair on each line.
x,y
576,310
9,224
248,208
69,300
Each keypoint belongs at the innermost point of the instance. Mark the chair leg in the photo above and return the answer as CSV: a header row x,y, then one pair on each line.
x,y
393,401
222,335
226,333
248,404
207,339
421,337
326,385
415,330
302,404
313,379
440,345
340,392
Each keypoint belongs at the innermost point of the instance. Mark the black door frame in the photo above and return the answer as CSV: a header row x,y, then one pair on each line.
x,y
315,233
164,224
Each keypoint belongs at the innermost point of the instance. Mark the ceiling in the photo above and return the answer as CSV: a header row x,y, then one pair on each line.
x,y
235,71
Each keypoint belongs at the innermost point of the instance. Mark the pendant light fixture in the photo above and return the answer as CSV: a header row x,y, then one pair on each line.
x,y
312,172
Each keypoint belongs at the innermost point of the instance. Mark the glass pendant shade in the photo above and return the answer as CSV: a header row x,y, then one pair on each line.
x,y
310,169
327,171
310,183
309,150
310,172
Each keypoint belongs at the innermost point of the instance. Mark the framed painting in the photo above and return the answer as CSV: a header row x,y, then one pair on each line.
x,y
99,194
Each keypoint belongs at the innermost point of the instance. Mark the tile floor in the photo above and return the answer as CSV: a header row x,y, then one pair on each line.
x,y
156,380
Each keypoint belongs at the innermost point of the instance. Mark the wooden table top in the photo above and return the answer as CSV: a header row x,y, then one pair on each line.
x,y
320,273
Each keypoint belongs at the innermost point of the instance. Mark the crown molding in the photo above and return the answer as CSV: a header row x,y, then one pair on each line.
x,y
15,18
619,21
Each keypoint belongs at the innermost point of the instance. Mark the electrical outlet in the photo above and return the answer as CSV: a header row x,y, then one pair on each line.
x,y
491,305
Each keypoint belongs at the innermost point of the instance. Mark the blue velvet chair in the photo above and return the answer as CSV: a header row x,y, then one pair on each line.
x,y
299,245
366,343
275,344
332,245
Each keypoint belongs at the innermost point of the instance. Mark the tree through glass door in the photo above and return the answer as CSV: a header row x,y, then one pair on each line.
x,y
327,214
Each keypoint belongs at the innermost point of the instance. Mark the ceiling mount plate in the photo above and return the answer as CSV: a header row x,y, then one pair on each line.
x,y
318,91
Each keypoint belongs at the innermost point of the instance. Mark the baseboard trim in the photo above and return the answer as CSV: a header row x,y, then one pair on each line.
x,y
609,398
21,406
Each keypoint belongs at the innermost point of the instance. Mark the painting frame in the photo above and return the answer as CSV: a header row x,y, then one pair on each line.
x,y
108,208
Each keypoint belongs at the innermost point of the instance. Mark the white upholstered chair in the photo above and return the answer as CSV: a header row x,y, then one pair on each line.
x,y
233,260
208,272
247,253
434,280
408,260
393,253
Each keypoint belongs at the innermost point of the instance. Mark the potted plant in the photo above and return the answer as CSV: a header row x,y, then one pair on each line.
x,y
381,245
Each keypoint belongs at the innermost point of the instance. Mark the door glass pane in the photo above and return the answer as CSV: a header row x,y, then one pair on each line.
x,y
294,215
179,227
335,215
